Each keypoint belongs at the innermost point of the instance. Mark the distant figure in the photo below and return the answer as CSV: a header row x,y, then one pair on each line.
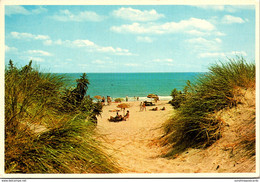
x,y
144,106
126,98
163,108
108,100
141,106
137,98
154,109
126,116
103,100
155,99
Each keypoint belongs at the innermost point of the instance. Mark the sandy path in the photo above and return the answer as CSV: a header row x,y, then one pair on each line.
x,y
129,142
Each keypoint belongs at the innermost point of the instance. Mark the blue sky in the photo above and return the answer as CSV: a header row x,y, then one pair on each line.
x,y
134,38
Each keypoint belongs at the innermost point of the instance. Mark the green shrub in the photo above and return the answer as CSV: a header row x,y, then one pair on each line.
x,y
119,100
194,124
177,98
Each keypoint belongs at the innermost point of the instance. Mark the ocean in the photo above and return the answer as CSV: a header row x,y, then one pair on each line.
x,y
120,85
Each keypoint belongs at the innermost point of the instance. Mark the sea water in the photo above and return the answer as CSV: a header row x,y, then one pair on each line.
x,y
133,85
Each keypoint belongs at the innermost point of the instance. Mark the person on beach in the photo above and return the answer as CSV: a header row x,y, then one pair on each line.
x,y
144,106
118,117
154,109
103,100
141,106
126,98
163,108
108,100
137,98
126,116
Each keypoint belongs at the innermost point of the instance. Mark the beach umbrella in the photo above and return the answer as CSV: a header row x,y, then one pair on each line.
x,y
123,106
152,96
98,97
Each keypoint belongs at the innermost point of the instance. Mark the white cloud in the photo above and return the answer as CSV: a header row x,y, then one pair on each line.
x,y
37,59
66,15
201,33
212,7
100,62
239,53
39,52
144,39
221,54
92,47
168,60
116,51
17,9
211,54
196,33
83,43
27,36
10,49
137,15
48,42
228,19
201,44
220,34
168,27
39,10
218,40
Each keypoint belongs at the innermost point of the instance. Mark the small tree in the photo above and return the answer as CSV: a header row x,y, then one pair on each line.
x,y
82,87
174,93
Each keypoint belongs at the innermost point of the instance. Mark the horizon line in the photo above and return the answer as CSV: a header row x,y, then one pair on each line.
x,y
130,72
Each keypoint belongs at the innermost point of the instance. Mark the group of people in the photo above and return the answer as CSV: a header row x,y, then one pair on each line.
x,y
118,117
156,109
135,98
143,107
109,100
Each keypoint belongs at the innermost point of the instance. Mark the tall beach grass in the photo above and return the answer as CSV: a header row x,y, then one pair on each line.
x,y
195,124
44,131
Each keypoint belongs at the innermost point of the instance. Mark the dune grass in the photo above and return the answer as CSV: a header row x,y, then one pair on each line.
x,y
44,131
195,124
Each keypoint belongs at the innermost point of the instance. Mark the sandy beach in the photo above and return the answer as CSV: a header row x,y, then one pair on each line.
x,y
129,142
132,144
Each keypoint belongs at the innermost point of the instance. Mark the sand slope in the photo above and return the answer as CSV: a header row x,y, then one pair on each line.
x,y
132,144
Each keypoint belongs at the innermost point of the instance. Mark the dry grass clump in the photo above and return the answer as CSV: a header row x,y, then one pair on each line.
x,y
195,123
41,136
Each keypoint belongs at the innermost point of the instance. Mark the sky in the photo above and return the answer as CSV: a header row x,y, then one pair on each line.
x,y
132,38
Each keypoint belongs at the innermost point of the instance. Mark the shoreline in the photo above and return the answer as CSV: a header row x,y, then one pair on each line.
x,y
141,99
